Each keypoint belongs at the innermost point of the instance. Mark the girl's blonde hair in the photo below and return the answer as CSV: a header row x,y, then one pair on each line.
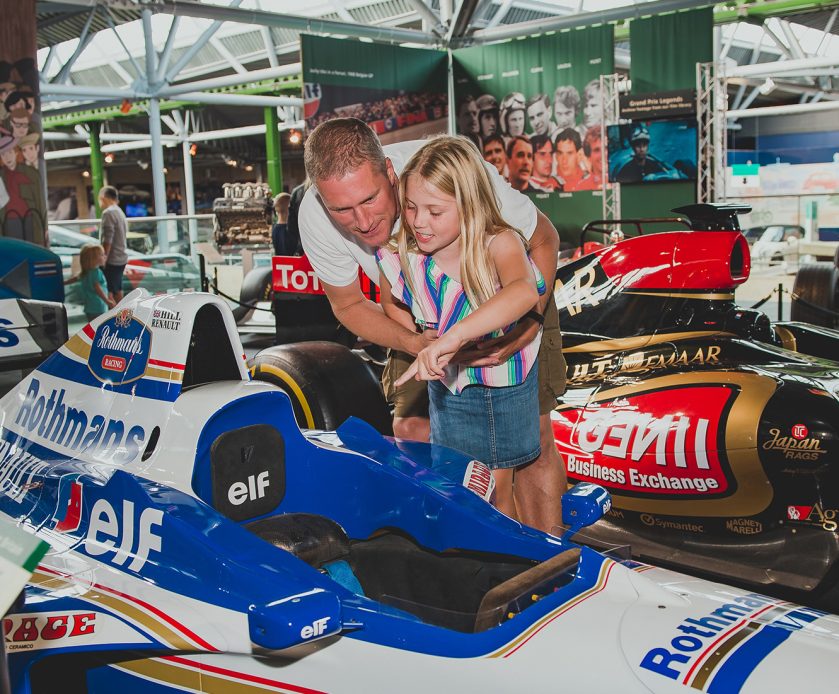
x,y
88,257
454,166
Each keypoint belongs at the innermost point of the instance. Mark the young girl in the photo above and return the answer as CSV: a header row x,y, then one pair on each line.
x,y
96,299
456,266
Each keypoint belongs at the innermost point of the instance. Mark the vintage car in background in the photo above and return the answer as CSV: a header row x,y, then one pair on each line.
x,y
160,273
200,541
777,244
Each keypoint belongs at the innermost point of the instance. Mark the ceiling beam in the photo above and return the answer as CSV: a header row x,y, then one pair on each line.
x,y
312,25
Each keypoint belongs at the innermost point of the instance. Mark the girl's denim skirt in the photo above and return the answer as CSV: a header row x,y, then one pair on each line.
x,y
497,425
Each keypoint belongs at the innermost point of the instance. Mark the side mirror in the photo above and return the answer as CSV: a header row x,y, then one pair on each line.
x,y
294,620
582,505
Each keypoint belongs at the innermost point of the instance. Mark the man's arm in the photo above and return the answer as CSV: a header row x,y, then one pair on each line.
x,y
544,251
107,234
367,320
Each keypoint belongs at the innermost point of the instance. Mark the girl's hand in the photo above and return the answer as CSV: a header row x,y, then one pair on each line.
x,y
430,364
111,303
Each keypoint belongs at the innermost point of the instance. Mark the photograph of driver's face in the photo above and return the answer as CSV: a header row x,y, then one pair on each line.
x,y
539,118
494,153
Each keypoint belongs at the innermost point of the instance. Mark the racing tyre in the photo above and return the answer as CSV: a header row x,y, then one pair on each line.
x,y
257,286
326,383
816,284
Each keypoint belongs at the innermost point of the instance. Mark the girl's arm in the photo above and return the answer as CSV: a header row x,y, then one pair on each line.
x,y
395,311
110,303
517,296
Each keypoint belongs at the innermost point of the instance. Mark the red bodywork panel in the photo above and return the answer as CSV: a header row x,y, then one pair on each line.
x,y
678,260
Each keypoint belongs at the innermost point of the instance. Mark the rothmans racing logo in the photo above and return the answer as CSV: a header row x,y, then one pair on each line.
x,y
718,651
120,350
49,419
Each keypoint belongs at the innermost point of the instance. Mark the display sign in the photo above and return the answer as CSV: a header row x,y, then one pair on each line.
x,y
294,275
679,102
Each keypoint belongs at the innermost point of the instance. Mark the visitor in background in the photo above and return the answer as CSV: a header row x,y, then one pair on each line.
x,y
92,279
112,233
280,230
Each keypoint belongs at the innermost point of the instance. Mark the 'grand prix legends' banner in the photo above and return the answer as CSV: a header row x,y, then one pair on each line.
x,y
400,92
542,97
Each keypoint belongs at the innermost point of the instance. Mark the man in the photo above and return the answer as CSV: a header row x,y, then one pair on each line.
x,y
30,149
467,118
568,169
494,152
543,160
539,114
593,107
19,120
512,115
112,234
280,228
488,119
566,109
641,164
593,149
349,211
520,162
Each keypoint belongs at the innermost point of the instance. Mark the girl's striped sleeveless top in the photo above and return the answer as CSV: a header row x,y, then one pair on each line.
x,y
440,302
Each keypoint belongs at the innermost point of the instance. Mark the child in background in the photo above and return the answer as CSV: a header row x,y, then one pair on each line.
x,y
94,289
456,266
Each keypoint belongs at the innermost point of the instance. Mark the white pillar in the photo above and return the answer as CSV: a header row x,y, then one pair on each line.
x,y
158,177
189,197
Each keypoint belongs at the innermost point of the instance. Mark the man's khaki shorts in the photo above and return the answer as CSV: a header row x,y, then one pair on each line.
x,y
411,398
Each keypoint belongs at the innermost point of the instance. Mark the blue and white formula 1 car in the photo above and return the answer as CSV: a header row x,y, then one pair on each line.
x,y
33,322
201,542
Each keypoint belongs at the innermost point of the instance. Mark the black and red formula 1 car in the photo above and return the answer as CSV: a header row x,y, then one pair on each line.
x,y
715,430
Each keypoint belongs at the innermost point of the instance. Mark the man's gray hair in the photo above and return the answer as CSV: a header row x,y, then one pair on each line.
x,y
109,193
340,146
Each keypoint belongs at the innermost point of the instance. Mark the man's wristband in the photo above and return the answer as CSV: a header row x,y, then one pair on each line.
x,y
535,316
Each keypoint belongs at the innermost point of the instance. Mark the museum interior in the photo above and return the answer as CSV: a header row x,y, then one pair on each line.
x,y
237,440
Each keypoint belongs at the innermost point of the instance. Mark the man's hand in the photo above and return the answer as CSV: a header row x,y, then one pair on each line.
x,y
498,350
430,364
421,342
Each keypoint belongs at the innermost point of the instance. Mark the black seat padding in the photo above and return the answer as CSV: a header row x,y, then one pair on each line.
x,y
314,539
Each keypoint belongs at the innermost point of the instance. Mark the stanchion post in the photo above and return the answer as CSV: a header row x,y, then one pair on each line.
x,y
780,301
202,271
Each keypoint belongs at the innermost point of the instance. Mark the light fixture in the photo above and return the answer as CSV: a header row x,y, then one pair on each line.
x,y
85,174
142,164
193,149
249,167
109,158
294,137
165,170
